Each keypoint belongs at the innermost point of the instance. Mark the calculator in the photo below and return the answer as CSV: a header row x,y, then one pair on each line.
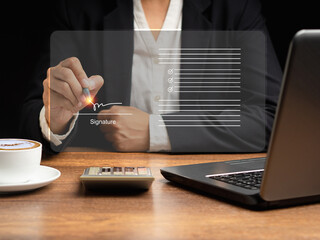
x,y
117,178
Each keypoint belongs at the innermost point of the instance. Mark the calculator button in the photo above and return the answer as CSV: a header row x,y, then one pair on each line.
x,y
117,171
106,171
129,171
94,171
142,171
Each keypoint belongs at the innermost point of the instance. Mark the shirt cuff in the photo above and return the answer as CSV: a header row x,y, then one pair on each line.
x,y
159,139
56,139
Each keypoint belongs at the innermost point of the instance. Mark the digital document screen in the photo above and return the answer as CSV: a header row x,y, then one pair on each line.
x,y
204,91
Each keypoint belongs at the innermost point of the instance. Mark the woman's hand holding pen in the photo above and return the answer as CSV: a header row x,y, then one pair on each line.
x,y
63,92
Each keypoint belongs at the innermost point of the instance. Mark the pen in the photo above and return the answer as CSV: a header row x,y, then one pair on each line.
x,y
86,92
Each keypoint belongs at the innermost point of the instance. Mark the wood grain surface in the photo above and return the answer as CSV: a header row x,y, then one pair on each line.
x,y
64,210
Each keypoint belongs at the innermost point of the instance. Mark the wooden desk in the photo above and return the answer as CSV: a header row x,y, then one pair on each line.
x,y
63,210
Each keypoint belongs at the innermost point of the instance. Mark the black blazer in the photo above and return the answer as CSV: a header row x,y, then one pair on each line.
x,y
230,15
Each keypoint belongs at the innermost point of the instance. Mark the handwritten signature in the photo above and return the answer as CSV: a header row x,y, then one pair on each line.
x,y
95,106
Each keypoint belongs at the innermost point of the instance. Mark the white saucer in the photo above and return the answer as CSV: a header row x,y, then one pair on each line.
x,y
43,177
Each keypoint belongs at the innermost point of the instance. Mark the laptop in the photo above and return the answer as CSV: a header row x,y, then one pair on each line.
x,y
290,174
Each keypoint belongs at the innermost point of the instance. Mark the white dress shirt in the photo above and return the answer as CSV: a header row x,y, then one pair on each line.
x,y
149,78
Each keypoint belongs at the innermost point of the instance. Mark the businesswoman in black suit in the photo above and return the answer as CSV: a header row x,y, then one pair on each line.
x,y
50,118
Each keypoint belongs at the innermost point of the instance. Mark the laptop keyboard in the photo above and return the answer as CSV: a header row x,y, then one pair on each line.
x,y
249,179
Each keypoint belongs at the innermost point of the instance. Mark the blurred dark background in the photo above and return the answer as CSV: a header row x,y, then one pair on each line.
x,y
24,26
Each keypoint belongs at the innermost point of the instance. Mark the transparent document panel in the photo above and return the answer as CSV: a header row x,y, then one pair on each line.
x,y
203,91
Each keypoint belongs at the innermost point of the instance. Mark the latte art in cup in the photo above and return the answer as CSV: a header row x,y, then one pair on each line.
x,y
17,144
19,160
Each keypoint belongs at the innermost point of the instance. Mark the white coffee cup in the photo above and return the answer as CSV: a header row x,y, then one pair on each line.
x,y
19,160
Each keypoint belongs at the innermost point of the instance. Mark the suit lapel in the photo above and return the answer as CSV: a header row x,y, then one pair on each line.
x,y
118,52
121,18
194,15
